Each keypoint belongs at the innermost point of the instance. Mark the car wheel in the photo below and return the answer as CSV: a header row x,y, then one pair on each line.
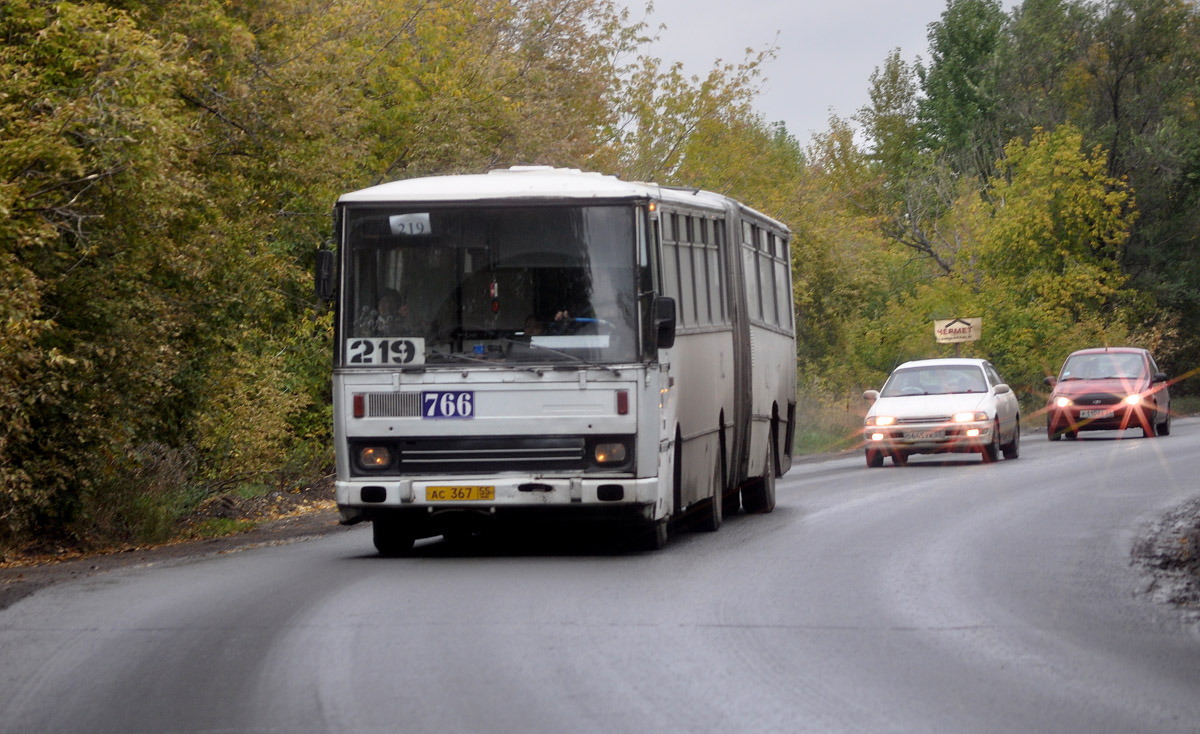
x,y
900,458
991,452
1053,433
874,459
1164,428
1071,435
1012,449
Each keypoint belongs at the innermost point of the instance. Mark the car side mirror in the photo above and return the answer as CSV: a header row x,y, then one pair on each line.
x,y
1160,377
325,275
871,395
664,322
1003,389
1050,380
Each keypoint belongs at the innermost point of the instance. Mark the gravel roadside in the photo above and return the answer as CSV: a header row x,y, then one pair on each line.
x,y
281,517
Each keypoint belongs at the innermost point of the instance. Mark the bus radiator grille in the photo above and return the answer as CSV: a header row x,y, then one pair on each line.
x,y
394,405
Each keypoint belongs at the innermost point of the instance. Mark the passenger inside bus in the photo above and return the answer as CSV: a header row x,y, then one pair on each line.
x,y
534,326
388,318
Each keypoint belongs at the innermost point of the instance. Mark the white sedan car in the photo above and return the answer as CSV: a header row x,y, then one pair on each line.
x,y
932,406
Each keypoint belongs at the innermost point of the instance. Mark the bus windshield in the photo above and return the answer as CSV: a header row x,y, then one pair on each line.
x,y
492,283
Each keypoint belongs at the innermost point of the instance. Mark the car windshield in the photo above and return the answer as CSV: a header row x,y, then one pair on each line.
x,y
499,284
1110,366
935,380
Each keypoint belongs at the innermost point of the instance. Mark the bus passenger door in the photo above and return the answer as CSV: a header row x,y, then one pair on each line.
x,y
668,447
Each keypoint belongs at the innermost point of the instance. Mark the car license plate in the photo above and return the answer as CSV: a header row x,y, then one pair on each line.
x,y
1095,414
930,435
459,494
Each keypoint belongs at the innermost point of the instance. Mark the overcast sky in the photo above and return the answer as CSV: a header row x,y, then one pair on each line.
x,y
826,50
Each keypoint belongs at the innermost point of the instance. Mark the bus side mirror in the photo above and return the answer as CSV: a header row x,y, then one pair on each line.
x,y
664,321
324,275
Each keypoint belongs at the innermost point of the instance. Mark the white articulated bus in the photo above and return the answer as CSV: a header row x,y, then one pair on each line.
x,y
547,345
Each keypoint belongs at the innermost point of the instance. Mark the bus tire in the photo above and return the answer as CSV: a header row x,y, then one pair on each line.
x,y
759,495
653,535
732,500
392,538
712,510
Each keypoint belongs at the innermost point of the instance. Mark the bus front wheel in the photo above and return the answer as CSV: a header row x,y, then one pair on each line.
x,y
652,536
392,538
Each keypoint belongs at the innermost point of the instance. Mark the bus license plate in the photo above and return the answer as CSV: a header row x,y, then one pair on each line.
x,y
1095,414
459,494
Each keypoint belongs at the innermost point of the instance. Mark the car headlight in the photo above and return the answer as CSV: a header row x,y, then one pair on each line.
x,y
880,420
970,417
1062,402
1133,399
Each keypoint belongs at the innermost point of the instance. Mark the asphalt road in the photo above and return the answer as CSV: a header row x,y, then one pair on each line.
x,y
946,596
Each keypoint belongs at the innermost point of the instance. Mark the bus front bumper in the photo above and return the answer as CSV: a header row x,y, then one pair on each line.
x,y
360,499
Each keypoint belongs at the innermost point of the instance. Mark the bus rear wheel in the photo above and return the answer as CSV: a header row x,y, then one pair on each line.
x,y
759,495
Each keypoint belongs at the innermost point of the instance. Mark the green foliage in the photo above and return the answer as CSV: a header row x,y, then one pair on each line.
x,y
219,527
1047,182
959,83
891,121
166,172
671,128
92,159
1035,254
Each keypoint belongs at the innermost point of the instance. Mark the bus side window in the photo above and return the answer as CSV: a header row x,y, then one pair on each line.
x,y
710,307
687,287
699,291
783,289
766,262
750,266
671,270
719,268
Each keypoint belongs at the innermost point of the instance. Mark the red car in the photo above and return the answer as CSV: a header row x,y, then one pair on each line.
x,y
1108,389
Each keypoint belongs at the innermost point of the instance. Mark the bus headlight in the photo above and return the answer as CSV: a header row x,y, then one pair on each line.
x,y
609,453
374,457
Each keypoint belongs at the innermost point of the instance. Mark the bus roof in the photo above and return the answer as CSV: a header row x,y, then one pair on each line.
x,y
534,182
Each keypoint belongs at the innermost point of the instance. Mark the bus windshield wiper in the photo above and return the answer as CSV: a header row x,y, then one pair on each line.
x,y
572,357
489,362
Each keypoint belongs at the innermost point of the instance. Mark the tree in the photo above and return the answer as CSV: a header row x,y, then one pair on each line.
x,y
891,121
660,113
1038,257
93,168
958,109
